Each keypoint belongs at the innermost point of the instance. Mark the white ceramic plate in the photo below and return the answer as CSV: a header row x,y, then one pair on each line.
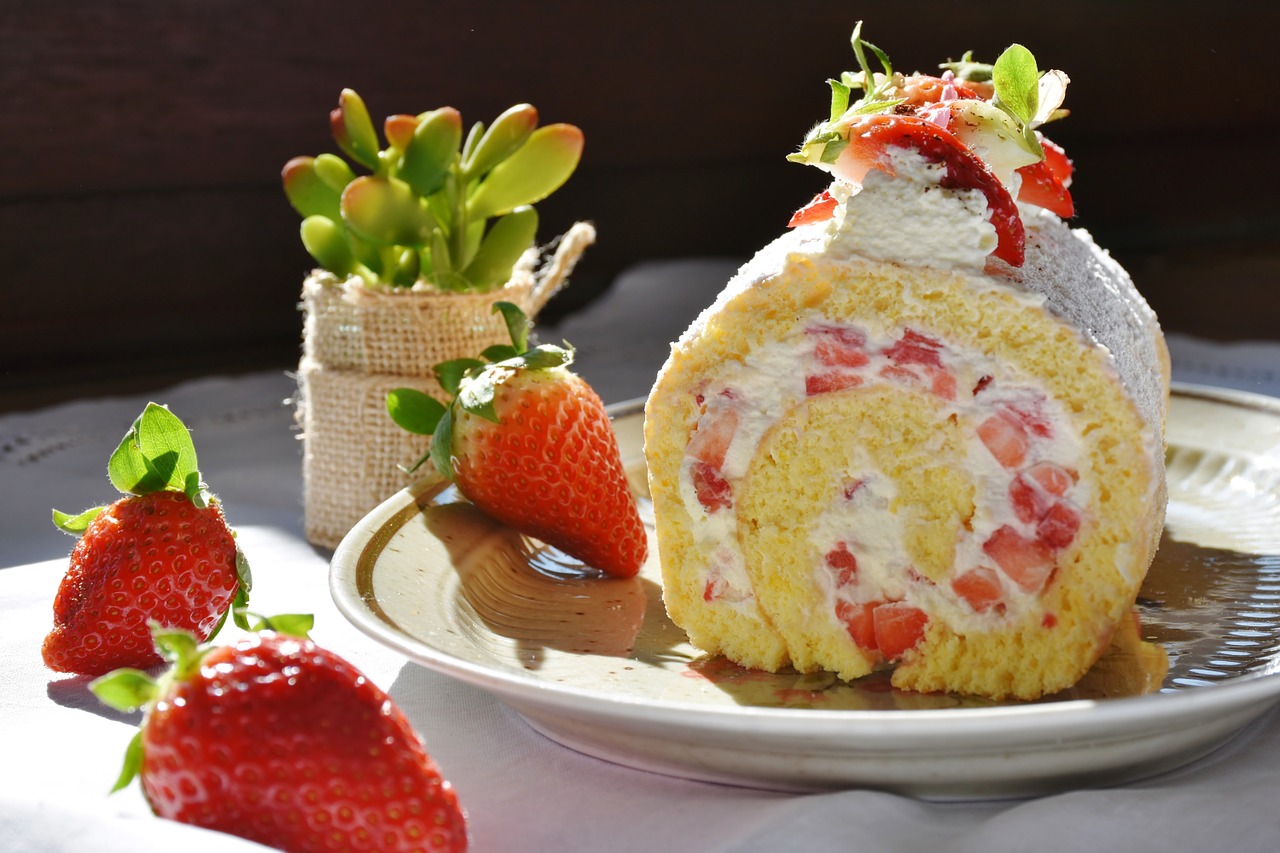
x,y
595,664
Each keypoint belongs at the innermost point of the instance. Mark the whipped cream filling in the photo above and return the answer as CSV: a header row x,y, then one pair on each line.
x,y
773,378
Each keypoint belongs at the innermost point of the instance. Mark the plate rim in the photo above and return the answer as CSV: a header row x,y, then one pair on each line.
x,y
357,553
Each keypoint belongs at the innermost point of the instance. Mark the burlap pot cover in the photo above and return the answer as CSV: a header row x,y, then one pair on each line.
x,y
360,343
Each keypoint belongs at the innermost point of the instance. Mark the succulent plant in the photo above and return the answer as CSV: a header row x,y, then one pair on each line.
x,y
433,208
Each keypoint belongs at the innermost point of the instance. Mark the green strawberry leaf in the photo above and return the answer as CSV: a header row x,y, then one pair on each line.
x,y
451,373
294,624
547,356
839,99
75,524
132,763
499,352
156,454
476,394
442,445
414,410
967,70
125,689
518,324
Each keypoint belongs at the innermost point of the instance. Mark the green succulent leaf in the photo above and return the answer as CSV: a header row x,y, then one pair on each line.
x,y
326,241
75,524
368,254
398,129
353,129
414,410
432,150
508,238
334,171
451,373
157,454
474,135
386,211
441,452
307,191
125,689
507,133
407,267
537,169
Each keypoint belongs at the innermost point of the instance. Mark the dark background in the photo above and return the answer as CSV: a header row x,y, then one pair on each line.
x,y
144,236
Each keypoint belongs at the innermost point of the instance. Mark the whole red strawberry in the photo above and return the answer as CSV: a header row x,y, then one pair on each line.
x,y
280,741
530,443
163,553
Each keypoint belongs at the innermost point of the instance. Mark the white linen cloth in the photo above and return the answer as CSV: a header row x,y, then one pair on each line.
x,y
522,792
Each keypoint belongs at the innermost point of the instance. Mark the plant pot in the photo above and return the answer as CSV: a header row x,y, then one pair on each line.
x,y
359,343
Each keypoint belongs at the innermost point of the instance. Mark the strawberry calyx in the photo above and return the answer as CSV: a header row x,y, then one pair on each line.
x,y
157,454
129,690
471,384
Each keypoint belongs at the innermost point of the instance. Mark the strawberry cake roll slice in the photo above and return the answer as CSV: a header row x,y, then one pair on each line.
x,y
924,429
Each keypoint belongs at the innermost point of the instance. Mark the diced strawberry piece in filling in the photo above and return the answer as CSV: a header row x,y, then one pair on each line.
x,y
1026,562
839,346
982,384
1033,491
944,384
1032,419
711,440
899,374
859,621
898,628
715,588
851,488
980,588
843,564
712,489
1006,438
824,383
1053,478
915,348
1049,620
1058,528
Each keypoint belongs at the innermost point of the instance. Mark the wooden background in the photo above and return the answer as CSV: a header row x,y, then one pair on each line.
x,y
144,236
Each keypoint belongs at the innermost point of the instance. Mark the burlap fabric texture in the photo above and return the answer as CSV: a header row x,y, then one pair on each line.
x,y
359,343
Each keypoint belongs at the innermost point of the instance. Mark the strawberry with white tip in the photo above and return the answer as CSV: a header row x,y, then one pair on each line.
x,y
529,442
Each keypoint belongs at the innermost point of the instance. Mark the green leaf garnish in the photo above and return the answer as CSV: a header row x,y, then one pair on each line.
x,y
441,452
518,325
294,624
967,70
125,689
132,763
1017,83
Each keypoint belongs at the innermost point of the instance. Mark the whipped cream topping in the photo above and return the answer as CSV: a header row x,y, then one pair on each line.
x,y
909,218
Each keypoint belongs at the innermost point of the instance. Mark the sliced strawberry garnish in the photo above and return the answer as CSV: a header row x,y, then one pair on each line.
x,y
980,588
1058,528
1057,160
712,489
870,136
711,440
915,348
898,628
1043,189
1027,562
835,380
920,90
859,621
843,564
1006,437
820,208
